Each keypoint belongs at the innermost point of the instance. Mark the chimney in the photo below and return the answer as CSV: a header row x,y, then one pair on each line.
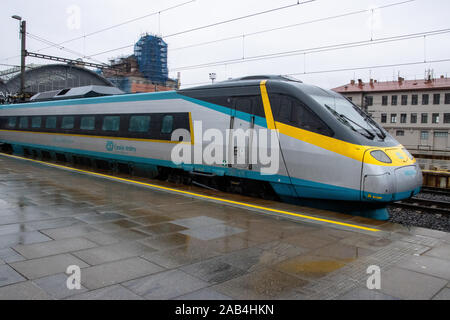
x,y
442,76
360,83
352,82
371,82
400,80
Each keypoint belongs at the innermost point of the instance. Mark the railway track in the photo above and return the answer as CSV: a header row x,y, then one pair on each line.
x,y
439,191
425,205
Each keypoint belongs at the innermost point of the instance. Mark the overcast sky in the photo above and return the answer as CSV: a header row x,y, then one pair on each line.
x,y
58,21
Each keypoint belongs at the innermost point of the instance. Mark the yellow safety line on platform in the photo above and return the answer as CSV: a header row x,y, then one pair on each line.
x,y
197,194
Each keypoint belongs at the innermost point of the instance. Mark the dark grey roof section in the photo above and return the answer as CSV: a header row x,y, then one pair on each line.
x,y
56,77
76,93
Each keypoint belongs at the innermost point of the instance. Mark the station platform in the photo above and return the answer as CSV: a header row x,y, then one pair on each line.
x,y
143,239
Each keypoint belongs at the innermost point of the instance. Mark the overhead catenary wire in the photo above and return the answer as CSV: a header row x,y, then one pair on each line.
x,y
333,47
343,15
349,69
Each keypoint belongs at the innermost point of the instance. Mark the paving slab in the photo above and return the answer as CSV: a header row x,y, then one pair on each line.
x,y
9,276
56,286
428,265
116,272
69,232
165,285
99,255
212,232
406,284
366,294
213,271
444,294
264,284
23,291
442,251
116,292
204,295
8,255
38,268
54,247
22,238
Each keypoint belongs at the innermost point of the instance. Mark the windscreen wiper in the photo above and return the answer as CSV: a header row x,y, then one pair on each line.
x,y
346,120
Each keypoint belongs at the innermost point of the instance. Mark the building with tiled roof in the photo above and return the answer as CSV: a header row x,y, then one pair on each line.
x,y
415,112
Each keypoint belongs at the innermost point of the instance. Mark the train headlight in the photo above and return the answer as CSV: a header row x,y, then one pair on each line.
x,y
410,156
381,156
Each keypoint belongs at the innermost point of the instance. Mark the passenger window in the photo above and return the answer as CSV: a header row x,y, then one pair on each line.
x,y
23,123
111,123
167,125
87,123
50,123
12,122
139,124
36,122
68,123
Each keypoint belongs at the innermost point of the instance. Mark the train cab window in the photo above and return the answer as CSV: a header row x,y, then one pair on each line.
x,y
50,123
304,118
139,124
36,122
12,121
244,105
167,125
68,123
87,123
285,110
111,123
23,123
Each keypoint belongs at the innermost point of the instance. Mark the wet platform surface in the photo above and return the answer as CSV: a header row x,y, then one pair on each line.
x,y
133,242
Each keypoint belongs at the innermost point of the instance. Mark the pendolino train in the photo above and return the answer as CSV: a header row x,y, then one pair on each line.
x,y
329,149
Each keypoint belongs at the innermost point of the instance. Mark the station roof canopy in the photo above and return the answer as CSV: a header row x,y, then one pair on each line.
x,y
56,77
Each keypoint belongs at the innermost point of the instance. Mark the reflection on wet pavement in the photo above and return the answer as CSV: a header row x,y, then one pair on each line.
x,y
133,242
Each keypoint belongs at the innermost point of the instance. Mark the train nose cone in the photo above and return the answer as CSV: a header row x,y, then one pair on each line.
x,y
408,181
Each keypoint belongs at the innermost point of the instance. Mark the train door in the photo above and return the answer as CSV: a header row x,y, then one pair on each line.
x,y
241,138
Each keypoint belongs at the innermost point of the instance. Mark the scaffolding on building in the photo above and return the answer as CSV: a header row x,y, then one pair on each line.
x,y
151,54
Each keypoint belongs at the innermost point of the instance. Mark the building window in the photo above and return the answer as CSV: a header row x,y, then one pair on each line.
x,y
400,133
404,100
393,118
369,101
383,118
424,135
384,100
415,100
435,118
424,118
436,98
403,118
425,99
447,98
394,100
413,117
439,134
446,117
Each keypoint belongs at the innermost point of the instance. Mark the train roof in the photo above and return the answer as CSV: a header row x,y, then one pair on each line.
x,y
244,81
